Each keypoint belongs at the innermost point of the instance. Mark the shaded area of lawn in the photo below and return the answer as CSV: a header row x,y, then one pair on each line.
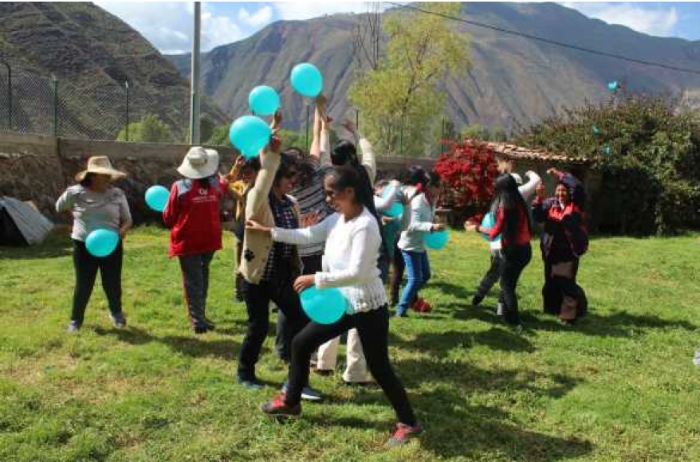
x,y
619,385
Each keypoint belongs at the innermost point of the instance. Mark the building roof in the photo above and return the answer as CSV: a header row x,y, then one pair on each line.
x,y
514,152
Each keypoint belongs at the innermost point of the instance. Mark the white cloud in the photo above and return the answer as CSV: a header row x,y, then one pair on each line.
x,y
168,25
259,18
652,21
306,10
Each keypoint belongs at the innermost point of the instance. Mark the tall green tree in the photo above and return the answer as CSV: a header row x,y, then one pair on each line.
x,y
400,100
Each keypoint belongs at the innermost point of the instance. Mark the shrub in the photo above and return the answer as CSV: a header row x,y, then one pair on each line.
x,y
468,170
649,155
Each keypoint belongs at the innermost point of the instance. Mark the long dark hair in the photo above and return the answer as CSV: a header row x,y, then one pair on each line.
x,y
349,176
287,162
420,178
344,153
508,197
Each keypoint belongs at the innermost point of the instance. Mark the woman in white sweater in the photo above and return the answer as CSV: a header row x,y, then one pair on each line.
x,y
352,246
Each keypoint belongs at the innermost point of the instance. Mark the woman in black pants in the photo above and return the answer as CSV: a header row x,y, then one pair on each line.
x,y
353,240
513,224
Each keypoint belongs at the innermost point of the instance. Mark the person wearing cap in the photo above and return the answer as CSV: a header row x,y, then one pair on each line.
x,y
563,241
94,204
192,213
493,274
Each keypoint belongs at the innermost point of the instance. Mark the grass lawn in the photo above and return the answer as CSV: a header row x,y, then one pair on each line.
x,y
620,386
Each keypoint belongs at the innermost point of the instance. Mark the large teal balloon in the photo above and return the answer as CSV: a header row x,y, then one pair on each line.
x,y
324,306
263,100
102,242
437,240
157,197
489,222
249,134
307,80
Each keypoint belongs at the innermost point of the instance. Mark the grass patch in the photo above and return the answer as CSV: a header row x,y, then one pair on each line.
x,y
620,386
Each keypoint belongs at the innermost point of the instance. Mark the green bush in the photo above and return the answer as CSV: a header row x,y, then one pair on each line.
x,y
648,152
150,129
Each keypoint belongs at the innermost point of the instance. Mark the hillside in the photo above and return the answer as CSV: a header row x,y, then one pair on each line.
x,y
91,53
513,81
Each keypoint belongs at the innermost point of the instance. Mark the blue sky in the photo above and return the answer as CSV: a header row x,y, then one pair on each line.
x,y
168,24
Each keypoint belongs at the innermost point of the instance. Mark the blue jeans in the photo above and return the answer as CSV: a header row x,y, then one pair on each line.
x,y
418,274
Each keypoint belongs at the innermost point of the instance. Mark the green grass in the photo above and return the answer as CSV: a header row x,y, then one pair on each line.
x,y
620,386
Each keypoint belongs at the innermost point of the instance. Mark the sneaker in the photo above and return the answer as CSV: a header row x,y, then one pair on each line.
x,y
73,327
476,301
425,307
118,320
403,433
251,385
278,408
307,393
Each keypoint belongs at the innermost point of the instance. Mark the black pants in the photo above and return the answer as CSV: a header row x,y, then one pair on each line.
x,y
373,328
257,301
492,276
86,267
397,275
515,259
283,340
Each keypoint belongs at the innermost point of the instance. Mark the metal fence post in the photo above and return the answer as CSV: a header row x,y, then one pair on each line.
x,y
126,87
401,138
9,94
54,84
357,120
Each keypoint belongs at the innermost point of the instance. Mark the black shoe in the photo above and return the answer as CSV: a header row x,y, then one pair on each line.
x,y
476,301
73,327
201,329
118,319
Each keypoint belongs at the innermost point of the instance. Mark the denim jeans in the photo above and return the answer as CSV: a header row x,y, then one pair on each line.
x,y
418,274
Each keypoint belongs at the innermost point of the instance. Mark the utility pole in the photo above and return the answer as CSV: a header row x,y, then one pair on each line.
x,y
194,77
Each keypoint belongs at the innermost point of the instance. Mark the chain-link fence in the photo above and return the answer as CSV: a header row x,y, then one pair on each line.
x,y
93,109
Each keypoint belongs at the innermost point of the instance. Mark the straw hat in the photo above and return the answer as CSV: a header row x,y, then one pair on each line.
x,y
199,163
100,165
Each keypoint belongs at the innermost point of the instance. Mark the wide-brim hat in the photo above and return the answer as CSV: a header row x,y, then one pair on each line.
x,y
199,163
102,166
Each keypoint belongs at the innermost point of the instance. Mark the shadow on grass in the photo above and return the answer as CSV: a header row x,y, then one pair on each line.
x,y
56,245
437,344
454,290
196,347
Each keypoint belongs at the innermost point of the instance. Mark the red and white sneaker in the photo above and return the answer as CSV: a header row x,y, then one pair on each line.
x,y
403,433
421,306
278,408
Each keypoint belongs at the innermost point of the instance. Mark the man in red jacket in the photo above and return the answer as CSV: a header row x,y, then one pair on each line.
x,y
192,213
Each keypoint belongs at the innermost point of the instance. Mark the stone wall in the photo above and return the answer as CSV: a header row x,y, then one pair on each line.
x,y
39,168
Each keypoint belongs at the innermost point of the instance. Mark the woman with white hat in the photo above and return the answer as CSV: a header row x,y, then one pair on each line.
x,y
192,213
94,204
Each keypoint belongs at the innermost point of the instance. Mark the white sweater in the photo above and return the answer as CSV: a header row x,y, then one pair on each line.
x,y
417,220
350,257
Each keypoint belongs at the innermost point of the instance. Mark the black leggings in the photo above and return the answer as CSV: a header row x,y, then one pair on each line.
x,y
86,267
373,328
515,259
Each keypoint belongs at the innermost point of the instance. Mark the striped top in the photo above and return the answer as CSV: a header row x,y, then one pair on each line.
x,y
312,199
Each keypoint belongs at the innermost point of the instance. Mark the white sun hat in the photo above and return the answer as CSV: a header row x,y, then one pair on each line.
x,y
101,166
199,163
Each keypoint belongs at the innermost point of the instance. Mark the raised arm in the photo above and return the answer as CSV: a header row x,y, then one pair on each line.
x,y
320,145
269,163
528,189
369,159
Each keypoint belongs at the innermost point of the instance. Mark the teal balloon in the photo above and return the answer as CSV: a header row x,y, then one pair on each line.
x,y
596,130
157,197
324,306
489,222
307,80
395,211
263,100
249,134
612,86
102,242
607,150
437,240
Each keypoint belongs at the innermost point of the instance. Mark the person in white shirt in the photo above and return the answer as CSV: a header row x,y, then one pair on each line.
x,y
353,241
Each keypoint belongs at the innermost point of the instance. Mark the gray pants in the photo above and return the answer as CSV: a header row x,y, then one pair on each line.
x,y
195,281
492,276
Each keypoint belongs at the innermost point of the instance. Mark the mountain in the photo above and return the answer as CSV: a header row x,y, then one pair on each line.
x,y
512,81
92,54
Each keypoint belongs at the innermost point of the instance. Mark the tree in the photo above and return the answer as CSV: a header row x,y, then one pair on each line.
x,y
400,100
150,129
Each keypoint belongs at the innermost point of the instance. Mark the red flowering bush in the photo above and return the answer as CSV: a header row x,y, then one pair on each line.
x,y
468,170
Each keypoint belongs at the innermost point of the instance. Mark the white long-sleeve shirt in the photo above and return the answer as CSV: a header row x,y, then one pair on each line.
x,y
350,257
417,220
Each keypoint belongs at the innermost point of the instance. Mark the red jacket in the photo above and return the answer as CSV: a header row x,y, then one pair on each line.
x,y
522,236
192,214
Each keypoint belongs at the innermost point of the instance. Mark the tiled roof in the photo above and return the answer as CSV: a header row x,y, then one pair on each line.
x,y
512,151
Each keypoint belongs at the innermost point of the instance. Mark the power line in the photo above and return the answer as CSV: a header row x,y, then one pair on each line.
x,y
551,42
